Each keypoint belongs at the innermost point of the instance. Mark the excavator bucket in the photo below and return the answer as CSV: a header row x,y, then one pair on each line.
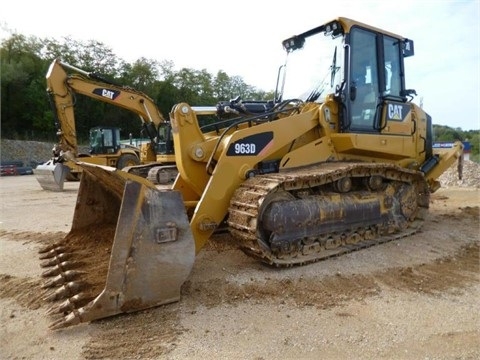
x,y
51,176
130,248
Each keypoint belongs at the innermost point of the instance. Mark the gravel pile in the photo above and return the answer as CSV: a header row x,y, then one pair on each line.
x,y
470,178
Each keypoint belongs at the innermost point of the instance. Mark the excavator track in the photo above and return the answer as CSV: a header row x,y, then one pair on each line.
x,y
305,215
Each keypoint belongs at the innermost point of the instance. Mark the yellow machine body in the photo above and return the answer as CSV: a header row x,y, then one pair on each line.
x,y
295,181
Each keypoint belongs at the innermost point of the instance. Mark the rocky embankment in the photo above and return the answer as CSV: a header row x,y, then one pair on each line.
x,y
30,153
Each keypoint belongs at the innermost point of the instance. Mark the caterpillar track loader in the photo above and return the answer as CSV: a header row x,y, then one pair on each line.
x,y
64,81
340,160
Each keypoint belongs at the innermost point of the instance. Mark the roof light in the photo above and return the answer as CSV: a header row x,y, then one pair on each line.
x,y
333,29
293,43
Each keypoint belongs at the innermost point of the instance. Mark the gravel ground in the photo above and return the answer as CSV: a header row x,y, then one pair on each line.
x,y
415,298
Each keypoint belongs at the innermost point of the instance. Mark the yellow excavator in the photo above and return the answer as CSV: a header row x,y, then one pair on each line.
x,y
64,81
340,160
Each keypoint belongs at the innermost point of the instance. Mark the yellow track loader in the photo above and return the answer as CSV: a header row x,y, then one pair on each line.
x,y
64,81
340,160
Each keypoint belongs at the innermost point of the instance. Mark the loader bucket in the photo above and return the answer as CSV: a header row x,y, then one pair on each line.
x,y
51,176
130,248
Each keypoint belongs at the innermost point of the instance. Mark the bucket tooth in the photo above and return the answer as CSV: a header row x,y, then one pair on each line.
x,y
71,319
68,290
62,267
70,304
57,309
55,260
62,278
50,247
52,253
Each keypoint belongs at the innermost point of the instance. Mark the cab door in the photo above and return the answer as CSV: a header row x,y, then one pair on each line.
x,y
364,89
377,103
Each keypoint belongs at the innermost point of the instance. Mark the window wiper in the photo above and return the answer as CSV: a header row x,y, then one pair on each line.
x,y
333,68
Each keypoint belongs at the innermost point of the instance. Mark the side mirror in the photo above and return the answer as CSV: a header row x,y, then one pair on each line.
x,y
408,49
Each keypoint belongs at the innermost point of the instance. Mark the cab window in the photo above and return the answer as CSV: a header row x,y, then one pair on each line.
x,y
364,79
391,50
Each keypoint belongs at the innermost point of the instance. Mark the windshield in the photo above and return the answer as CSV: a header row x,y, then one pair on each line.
x,y
312,72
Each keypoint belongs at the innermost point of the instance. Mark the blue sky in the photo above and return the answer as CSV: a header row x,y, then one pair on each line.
x,y
244,38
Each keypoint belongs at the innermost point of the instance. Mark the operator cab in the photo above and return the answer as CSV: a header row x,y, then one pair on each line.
x,y
104,140
362,66
164,141
377,78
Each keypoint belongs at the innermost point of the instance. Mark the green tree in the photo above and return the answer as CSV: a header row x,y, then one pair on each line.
x,y
26,112
166,96
90,56
22,87
141,75
446,133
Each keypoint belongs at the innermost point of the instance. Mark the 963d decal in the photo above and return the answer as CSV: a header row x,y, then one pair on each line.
x,y
250,145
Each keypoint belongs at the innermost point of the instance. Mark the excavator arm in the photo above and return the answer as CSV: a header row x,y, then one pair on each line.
x,y
64,81
62,87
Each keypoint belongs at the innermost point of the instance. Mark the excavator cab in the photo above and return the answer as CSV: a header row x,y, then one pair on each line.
x,y
164,141
104,140
376,79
